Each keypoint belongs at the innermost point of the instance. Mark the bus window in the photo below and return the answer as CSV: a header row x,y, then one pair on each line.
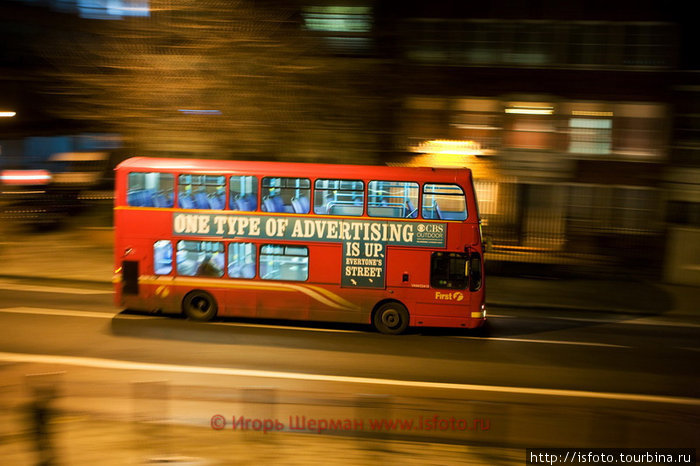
x,y
244,193
200,258
279,262
201,192
150,190
241,260
448,270
339,197
395,199
444,202
290,195
162,257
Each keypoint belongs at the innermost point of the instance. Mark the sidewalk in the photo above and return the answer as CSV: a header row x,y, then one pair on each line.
x,y
86,255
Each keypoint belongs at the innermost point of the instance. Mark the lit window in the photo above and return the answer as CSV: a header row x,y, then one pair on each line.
x,y
244,193
150,190
241,260
279,262
339,197
200,258
201,192
290,195
590,135
444,202
162,257
393,199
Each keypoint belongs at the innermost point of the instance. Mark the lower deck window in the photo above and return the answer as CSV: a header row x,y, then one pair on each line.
x,y
241,260
162,257
448,270
280,262
200,258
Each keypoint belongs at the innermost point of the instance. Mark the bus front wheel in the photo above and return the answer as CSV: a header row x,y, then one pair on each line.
x,y
391,318
199,306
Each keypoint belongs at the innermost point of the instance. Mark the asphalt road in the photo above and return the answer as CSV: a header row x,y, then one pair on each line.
x,y
546,377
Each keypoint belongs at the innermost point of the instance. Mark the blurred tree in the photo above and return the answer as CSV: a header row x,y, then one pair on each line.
x,y
216,78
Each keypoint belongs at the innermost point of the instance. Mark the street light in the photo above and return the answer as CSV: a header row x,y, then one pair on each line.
x,y
6,114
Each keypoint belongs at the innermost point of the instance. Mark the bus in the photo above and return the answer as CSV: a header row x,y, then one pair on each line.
x,y
391,247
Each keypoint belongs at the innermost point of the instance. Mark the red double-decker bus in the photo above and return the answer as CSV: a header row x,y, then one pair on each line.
x,y
387,246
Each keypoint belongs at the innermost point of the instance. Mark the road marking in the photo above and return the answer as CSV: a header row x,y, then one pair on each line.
x,y
14,286
554,342
288,327
637,321
104,315
100,363
70,313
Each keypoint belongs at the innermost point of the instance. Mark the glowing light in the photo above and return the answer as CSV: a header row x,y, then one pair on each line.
x,y
191,111
448,147
590,113
7,114
25,177
531,110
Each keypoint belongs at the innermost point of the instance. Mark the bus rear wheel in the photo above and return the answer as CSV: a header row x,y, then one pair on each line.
x,y
391,318
199,306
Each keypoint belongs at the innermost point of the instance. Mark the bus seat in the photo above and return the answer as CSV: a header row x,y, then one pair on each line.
x,y
201,200
159,200
300,205
234,270
216,201
245,203
268,205
252,201
279,204
438,214
185,202
412,211
274,204
147,196
248,271
132,198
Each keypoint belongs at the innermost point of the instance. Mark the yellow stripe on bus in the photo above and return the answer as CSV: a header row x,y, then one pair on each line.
x,y
317,293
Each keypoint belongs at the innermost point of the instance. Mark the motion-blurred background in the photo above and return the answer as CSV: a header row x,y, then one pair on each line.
x,y
579,119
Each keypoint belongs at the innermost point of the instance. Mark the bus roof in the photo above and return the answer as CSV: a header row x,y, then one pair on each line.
x,y
293,169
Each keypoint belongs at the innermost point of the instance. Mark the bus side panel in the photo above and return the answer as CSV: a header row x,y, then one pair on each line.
x,y
407,268
350,305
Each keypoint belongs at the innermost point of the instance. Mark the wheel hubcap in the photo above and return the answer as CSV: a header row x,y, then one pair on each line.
x,y
391,318
201,305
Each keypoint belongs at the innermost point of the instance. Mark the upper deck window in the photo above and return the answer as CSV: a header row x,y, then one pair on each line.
x,y
150,189
201,192
244,193
394,199
289,195
339,197
444,202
